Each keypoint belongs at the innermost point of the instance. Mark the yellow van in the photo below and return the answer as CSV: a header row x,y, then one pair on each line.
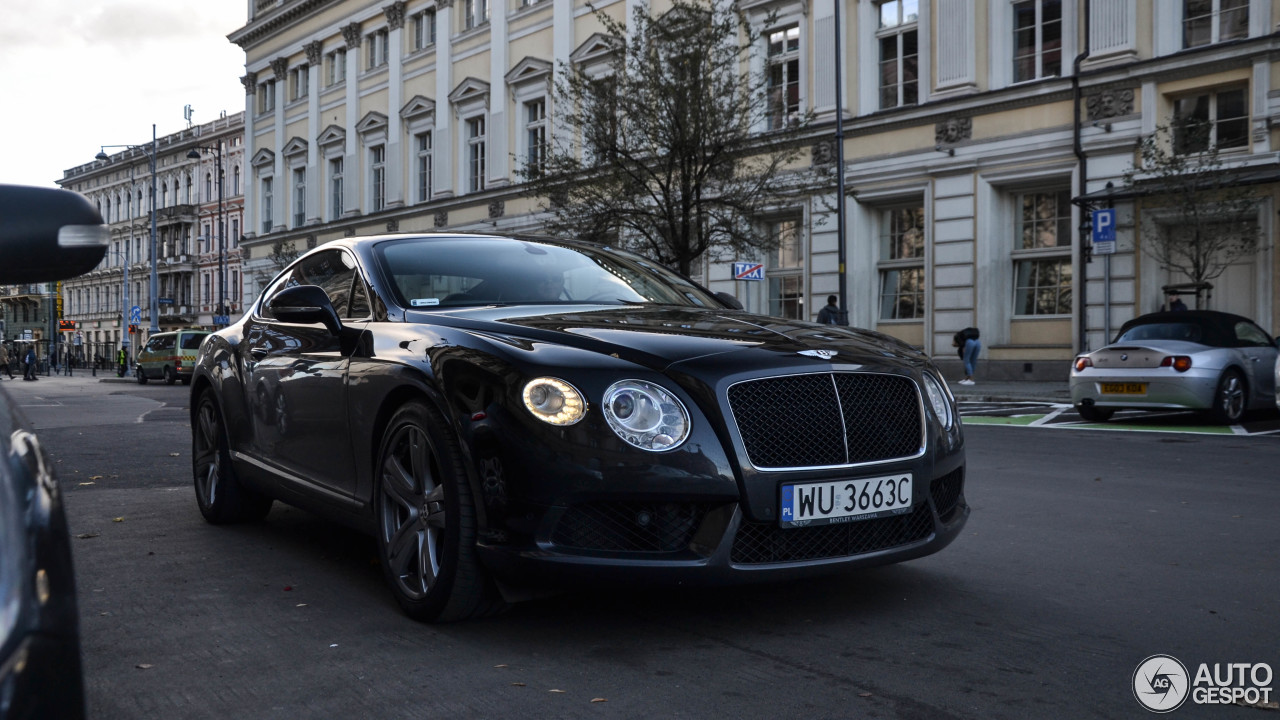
x,y
169,355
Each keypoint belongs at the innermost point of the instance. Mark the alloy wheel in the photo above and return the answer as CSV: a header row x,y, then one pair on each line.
x,y
411,512
208,457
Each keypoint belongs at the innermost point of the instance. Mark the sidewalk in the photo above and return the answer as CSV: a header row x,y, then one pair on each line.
x,y
1011,391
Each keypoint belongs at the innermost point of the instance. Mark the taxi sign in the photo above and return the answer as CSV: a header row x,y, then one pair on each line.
x,y
748,271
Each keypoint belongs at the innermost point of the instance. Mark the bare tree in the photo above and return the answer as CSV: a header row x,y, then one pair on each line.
x,y
664,152
1207,219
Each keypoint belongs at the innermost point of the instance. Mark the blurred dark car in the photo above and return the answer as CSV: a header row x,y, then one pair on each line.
x,y
504,412
1205,360
45,235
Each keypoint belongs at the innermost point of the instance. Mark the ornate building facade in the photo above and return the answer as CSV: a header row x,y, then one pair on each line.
x,y
194,274
979,135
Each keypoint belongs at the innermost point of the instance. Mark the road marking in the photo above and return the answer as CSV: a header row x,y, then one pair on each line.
x,y
1060,409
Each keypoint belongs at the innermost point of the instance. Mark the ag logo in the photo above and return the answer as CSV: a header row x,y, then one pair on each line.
x,y
1160,683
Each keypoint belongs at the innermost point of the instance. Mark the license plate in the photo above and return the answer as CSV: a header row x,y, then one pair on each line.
x,y
844,501
1124,388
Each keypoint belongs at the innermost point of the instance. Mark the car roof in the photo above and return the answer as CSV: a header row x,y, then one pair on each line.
x,y
1217,326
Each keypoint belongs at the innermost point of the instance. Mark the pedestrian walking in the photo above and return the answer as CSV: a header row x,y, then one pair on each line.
x,y
29,371
967,347
830,314
121,358
4,360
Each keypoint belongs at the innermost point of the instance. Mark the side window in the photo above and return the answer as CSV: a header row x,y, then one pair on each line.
x,y
284,281
169,342
1250,335
191,341
359,300
155,343
333,271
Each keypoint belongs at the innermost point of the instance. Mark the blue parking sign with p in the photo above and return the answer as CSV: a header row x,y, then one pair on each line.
x,y
1104,231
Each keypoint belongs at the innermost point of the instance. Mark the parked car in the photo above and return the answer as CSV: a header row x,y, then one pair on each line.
x,y
1197,360
504,411
47,234
169,356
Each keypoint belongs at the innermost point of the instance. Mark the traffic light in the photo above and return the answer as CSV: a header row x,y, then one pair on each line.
x,y
133,328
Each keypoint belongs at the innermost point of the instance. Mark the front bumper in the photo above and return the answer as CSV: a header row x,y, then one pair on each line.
x,y
717,544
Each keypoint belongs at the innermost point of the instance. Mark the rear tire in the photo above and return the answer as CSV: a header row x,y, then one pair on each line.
x,y
1230,398
221,497
1092,413
169,376
426,521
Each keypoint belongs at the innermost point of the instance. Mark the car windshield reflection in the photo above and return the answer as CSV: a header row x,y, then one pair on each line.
x,y
444,272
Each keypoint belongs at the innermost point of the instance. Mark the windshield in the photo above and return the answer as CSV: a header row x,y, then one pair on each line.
x,y
440,272
1189,332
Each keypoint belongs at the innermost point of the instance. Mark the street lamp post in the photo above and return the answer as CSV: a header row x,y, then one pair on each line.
x,y
221,317
155,304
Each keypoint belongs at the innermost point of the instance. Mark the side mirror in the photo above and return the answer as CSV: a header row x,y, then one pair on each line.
x,y
305,304
729,300
48,234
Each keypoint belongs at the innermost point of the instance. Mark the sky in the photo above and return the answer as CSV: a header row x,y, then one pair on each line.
x,y
78,74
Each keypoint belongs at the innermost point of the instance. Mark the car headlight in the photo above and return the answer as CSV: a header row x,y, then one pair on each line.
x,y
645,415
554,401
940,399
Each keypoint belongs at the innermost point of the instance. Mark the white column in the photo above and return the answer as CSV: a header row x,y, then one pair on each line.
x,y
352,173
442,137
1113,27
822,55
249,213
499,160
395,93
315,58
956,59
282,191
562,47
1260,110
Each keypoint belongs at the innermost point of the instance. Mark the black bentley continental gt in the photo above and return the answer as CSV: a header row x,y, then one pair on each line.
x,y
504,412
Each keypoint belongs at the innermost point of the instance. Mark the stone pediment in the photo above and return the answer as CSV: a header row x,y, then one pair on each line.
x,y
418,107
470,90
530,69
295,146
263,157
372,122
597,49
332,135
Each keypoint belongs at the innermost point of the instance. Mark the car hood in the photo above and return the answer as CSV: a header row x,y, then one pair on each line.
x,y
661,336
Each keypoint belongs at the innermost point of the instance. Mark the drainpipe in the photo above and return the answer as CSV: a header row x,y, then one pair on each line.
x,y
1076,95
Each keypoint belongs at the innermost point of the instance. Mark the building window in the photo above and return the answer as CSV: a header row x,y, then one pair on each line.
x,y
208,293
902,263
377,177
299,197
1218,119
422,167
1042,258
475,13
377,43
335,67
424,29
208,185
786,267
475,153
1037,39
1210,21
235,232
899,83
266,205
335,188
235,183
298,82
267,96
784,75
535,133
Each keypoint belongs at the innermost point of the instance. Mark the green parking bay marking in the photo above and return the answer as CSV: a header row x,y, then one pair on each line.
x,y
1000,420
1029,420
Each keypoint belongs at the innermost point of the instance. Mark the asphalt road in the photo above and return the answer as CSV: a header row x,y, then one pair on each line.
x,y
1086,553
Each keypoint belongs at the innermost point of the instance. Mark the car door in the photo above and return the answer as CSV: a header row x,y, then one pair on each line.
x,y
296,381
1259,352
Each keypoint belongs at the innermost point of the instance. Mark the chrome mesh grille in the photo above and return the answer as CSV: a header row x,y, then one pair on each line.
x,y
824,419
763,542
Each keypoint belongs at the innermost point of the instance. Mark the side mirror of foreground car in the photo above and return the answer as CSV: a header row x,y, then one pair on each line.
x,y
305,304
48,234
729,300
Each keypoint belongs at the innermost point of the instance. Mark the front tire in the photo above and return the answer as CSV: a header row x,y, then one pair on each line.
x,y
142,376
426,521
1092,413
221,497
1229,399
